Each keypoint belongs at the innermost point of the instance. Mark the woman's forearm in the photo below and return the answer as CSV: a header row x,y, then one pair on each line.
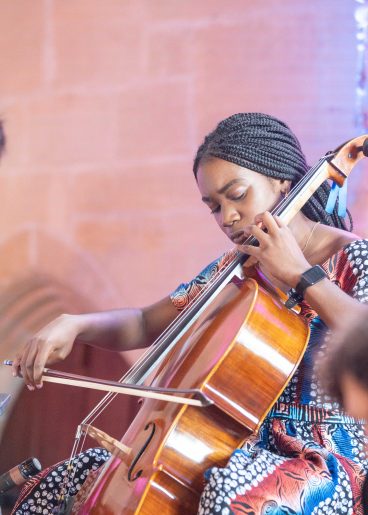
x,y
117,330
333,305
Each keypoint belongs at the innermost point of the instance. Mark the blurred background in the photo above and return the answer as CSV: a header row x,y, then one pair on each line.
x,y
104,103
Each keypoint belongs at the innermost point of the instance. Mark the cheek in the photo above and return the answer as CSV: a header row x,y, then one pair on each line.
x,y
218,220
260,200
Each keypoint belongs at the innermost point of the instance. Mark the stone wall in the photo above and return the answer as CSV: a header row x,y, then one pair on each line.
x,y
104,105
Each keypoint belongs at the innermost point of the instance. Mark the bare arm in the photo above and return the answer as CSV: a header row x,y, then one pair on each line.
x,y
333,305
120,329
125,329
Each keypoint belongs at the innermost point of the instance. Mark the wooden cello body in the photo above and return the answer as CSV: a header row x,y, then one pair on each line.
x,y
241,352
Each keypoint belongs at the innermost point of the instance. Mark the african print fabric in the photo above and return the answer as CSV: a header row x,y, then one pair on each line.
x,y
42,493
308,457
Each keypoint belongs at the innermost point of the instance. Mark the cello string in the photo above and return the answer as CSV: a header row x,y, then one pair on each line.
x,y
158,340
195,302
218,276
233,254
161,340
216,279
71,468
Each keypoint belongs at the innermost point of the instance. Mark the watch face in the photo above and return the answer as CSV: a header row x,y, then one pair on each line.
x,y
310,277
314,274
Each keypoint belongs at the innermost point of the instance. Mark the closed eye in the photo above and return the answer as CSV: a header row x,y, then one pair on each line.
x,y
239,197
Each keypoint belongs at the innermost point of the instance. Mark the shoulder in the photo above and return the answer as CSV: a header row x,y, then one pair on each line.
x,y
187,291
348,265
336,240
356,253
356,246
330,242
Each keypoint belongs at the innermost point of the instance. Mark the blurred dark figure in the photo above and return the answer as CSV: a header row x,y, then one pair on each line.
x,y
345,375
2,139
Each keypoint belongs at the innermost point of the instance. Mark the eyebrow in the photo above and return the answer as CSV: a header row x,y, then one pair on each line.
x,y
223,189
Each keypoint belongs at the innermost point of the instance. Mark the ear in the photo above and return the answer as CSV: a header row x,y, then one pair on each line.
x,y
285,187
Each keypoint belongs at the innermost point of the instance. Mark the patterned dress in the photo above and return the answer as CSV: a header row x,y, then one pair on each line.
x,y
308,457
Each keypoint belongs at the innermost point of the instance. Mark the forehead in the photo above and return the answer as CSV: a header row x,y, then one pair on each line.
x,y
214,173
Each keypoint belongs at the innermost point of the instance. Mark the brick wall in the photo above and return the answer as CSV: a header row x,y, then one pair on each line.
x,y
104,104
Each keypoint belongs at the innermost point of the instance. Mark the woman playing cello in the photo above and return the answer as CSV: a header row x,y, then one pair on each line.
x,y
308,456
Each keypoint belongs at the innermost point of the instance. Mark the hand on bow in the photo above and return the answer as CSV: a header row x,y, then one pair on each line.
x,y
278,254
51,344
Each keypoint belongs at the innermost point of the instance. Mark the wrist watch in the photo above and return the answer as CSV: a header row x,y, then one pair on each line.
x,y
308,278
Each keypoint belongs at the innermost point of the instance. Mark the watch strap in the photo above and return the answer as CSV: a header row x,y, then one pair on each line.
x,y
311,276
308,278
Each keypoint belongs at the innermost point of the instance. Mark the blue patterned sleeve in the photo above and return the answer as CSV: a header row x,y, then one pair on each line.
x,y
186,292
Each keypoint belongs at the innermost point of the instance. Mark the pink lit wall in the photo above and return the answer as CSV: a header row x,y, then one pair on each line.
x,y
105,103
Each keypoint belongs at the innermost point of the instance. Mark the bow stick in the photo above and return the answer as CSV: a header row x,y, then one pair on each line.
x,y
164,394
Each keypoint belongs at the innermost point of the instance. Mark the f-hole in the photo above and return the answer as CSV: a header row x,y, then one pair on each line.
x,y
141,452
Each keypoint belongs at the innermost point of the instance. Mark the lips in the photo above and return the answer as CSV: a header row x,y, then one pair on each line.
x,y
238,237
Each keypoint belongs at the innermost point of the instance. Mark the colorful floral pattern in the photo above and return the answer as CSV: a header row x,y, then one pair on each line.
x,y
308,457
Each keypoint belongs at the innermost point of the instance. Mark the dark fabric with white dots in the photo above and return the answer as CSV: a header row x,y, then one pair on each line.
x,y
42,493
308,457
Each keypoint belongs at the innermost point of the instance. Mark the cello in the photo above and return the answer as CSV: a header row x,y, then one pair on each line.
x,y
239,346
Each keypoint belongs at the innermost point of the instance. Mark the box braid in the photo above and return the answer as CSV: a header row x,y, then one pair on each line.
x,y
266,145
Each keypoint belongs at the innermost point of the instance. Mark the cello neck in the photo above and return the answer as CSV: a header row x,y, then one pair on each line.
x,y
336,166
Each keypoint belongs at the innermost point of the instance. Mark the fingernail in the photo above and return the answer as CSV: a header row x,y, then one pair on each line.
x,y
30,387
39,385
14,374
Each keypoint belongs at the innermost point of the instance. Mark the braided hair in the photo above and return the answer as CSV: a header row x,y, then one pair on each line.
x,y
266,145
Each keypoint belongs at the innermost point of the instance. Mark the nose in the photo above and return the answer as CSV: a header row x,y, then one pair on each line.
x,y
229,216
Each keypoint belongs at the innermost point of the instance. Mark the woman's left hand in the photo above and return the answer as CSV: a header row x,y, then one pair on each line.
x,y
279,254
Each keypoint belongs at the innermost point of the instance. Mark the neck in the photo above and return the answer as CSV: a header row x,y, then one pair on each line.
x,y
301,228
